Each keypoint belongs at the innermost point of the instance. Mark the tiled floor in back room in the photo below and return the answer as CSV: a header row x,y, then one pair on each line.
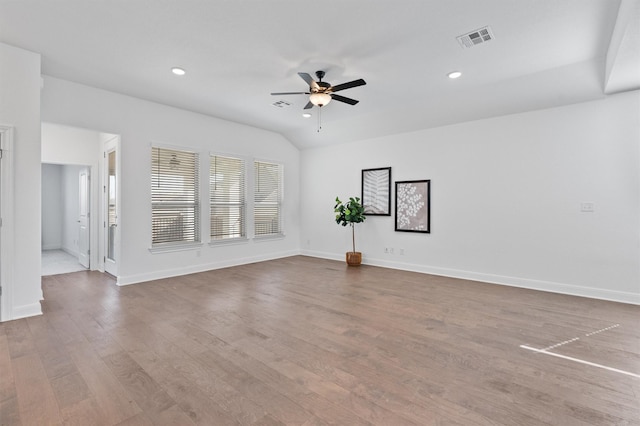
x,y
56,262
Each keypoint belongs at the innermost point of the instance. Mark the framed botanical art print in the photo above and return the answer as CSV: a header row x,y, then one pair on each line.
x,y
413,206
376,191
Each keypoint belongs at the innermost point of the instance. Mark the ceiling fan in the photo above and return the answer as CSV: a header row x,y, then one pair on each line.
x,y
321,93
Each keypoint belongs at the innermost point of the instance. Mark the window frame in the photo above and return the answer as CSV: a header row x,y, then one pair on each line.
x,y
280,203
245,207
195,206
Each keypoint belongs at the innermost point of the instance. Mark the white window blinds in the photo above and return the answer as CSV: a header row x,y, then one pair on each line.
x,y
267,198
175,208
227,197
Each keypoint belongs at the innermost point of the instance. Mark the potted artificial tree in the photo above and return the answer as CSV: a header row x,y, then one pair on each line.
x,y
350,213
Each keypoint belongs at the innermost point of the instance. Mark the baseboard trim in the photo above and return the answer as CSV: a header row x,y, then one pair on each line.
x,y
531,284
25,311
123,280
70,251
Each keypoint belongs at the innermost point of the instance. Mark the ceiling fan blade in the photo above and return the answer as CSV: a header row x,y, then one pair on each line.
x,y
310,81
348,85
309,105
344,99
291,93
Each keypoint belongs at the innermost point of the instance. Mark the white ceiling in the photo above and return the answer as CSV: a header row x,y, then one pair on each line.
x,y
236,52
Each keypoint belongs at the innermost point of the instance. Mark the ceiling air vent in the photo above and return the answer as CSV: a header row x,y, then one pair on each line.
x,y
476,37
281,104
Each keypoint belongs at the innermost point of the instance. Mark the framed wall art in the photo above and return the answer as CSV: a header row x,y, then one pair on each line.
x,y
413,206
376,191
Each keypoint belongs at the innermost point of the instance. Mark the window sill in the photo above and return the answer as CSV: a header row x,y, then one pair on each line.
x,y
260,238
228,242
175,247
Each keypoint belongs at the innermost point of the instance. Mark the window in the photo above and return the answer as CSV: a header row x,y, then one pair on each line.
x,y
227,200
267,198
175,206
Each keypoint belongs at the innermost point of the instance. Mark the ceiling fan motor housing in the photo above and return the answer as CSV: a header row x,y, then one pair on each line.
x,y
323,86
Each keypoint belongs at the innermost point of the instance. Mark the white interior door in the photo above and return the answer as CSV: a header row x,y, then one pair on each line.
x,y
111,214
83,220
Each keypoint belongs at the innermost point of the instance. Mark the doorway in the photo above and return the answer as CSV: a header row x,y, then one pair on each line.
x,y
73,146
66,232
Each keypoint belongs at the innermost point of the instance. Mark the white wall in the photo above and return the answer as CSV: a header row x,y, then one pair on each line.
x,y
20,108
506,197
141,123
76,147
52,207
70,145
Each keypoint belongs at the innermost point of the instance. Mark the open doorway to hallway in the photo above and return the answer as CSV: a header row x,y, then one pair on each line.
x,y
87,159
65,212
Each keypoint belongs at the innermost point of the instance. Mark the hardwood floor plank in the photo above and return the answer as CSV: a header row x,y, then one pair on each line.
x,y
144,390
70,389
201,375
84,412
36,401
20,341
267,420
66,329
363,381
138,420
292,389
7,384
282,407
358,373
158,407
113,400
55,359
10,412
304,341
200,409
327,389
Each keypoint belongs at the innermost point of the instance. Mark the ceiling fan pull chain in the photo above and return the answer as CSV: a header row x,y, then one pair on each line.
x,y
319,119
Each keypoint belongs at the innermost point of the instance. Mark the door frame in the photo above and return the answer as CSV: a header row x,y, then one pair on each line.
x,y
6,231
84,198
112,144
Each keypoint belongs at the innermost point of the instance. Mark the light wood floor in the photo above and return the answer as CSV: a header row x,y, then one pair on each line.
x,y
303,341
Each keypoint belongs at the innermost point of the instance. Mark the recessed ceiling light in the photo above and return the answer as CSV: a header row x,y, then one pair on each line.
x,y
306,115
454,74
178,71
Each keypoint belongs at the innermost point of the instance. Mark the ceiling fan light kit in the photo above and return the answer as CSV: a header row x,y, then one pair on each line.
x,y
320,99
